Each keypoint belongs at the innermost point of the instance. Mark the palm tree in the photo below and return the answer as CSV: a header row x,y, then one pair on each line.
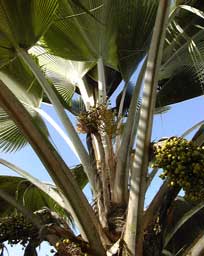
x,y
74,55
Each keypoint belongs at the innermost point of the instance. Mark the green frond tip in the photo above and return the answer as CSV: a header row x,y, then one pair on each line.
x,y
11,138
27,194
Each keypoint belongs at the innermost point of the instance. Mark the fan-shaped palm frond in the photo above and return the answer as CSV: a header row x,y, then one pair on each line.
x,y
181,73
25,193
6,51
23,22
116,27
21,81
64,74
11,138
70,26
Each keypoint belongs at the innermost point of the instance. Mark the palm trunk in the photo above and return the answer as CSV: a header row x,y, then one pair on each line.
x,y
120,195
197,248
101,82
134,226
103,193
86,94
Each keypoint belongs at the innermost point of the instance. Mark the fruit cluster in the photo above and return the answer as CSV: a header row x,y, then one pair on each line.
x,y
19,229
183,163
69,248
97,119
16,229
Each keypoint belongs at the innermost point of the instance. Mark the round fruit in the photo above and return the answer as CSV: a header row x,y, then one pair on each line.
x,y
183,164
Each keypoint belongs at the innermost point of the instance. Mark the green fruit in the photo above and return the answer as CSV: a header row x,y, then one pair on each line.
x,y
183,163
